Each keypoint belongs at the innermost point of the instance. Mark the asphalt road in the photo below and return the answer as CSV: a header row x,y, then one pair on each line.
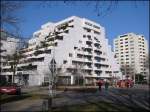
x,y
133,98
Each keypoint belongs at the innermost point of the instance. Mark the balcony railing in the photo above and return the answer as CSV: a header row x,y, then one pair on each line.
x,y
87,60
88,67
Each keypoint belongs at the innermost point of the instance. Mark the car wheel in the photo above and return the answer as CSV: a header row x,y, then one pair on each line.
x,y
18,93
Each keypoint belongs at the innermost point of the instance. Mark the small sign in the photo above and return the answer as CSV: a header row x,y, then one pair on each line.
x,y
53,66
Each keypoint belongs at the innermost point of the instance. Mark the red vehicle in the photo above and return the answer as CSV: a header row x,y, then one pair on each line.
x,y
13,89
127,83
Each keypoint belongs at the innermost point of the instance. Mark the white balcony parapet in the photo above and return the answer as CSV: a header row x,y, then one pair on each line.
x,y
87,67
88,46
88,53
6,73
78,59
96,68
5,67
26,72
41,55
23,64
87,60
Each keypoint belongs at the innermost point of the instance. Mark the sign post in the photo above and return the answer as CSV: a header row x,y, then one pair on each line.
x,y
52,68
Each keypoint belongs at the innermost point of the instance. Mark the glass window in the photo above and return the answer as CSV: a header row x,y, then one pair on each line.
x,y
70,54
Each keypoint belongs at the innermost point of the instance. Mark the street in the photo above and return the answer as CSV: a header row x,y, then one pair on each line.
x,y
115,99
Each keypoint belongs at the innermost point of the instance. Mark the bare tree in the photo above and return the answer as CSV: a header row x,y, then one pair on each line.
x,y
128,71
14,61
100,7
8,15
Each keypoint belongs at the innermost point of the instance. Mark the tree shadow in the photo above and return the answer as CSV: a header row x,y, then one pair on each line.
x,y
13,98
118,100
129,101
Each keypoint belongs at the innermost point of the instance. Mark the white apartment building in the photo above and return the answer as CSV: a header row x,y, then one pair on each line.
x,y
79,48
131,51
8,46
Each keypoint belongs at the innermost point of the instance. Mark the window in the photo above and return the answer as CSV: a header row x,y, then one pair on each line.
x,y
96,32
123,36
40,59
75,47
80,41
132,48
66,31
70,54
132,61
65,61
88,30
87,23
116,43
48,51
70,21
132,54
131,41
56,44
96,27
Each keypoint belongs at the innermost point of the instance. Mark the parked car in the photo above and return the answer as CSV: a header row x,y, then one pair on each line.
x,y
13,89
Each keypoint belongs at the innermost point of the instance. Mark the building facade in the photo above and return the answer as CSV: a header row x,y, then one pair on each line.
x,y
79,48
131,51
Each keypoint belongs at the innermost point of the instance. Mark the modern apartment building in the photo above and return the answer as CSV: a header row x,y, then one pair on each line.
x,y
79,48
131,51
8,46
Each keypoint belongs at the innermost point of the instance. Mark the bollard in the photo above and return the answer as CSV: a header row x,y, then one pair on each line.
x,y
50,103
45,106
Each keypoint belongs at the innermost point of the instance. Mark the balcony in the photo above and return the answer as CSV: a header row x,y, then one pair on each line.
x,y
97,55
96,61
6,73
6,67
26,72
24,64
88,40
87,67
88,60
88,46
97,68
78,59
41,55
88,53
